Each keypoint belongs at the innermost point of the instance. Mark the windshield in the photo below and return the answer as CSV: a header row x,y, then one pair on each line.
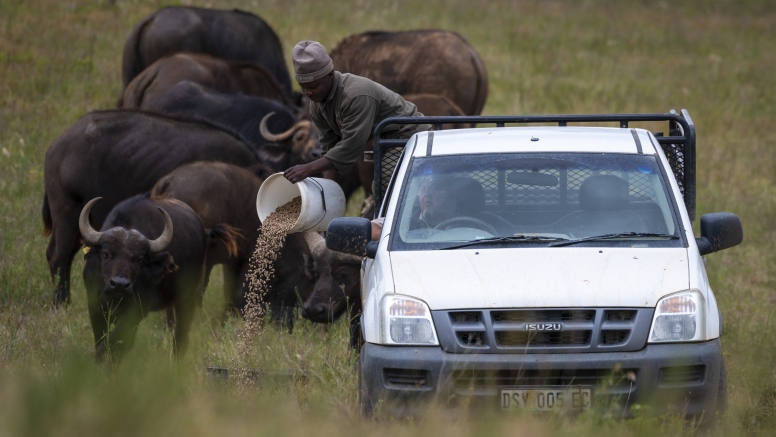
x,y
535,199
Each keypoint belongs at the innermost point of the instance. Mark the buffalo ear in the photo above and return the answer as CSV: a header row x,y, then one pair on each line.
x,y
309,266
91,251
161,263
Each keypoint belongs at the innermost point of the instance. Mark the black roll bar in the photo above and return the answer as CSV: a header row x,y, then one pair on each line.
x,y
681,131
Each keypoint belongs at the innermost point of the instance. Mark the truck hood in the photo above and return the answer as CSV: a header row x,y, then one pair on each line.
x,y
540,277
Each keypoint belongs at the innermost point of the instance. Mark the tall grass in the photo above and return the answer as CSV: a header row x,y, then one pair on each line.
x,y
61,59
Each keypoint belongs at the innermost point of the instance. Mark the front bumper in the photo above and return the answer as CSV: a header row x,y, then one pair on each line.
x,y
666,378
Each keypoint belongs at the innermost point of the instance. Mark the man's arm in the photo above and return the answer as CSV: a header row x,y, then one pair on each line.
x,y
328,139
377,228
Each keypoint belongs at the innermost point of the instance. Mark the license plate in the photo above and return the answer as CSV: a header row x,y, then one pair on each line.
x,y
546,398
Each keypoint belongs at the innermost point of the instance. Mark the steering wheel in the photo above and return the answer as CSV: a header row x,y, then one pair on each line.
x,y
463,221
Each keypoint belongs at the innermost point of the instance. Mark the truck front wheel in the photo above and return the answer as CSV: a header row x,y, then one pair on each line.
x,y
364,403
722,392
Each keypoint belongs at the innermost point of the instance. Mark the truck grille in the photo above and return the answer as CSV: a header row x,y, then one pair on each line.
x,y
543,316
406,377
682,375
607,379
567,338
551,330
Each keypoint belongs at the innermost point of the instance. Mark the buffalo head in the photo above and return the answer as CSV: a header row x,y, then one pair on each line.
x,y
297,145
126,256
337,282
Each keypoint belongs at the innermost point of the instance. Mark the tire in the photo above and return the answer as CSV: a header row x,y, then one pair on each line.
x,y
364,403
722,391
710,421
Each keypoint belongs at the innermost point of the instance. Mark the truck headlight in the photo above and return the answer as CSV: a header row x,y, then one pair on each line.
x,y
679,317
406,321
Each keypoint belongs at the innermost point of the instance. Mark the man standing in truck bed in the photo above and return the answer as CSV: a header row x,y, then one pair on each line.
x,y
345,109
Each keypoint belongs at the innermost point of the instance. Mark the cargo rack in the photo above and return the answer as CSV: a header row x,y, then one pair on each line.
x,y
678,146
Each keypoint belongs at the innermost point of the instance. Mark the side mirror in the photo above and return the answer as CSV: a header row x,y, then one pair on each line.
x,y
719,230
351,235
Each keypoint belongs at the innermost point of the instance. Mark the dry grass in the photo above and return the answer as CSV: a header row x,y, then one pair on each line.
x,y
61,59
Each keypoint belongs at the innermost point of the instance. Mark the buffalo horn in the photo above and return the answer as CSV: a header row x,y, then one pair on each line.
x,y
270,136
163,241
91,237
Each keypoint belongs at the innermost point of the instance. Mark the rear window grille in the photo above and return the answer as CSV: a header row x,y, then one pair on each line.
x,y
620,315
470,338
406,377
528,339
614,337
543,316
682,375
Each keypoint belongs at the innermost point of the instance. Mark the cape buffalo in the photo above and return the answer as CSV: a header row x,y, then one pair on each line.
x,y
149,256
217,74
234,35
418,62
117,154
337,286
294,142
223,193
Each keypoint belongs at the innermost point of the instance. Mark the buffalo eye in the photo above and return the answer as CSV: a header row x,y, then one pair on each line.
x,y
105,254
141,261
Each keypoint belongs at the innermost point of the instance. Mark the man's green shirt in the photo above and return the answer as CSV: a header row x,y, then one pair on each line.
x,y
347,118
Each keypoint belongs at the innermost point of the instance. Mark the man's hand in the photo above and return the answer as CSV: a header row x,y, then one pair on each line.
x,y
297,173
300,172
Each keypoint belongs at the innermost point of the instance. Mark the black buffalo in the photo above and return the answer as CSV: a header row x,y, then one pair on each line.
x,y
149,256
117,154
214,73
337,286
286,141
225,194
235,35
418,62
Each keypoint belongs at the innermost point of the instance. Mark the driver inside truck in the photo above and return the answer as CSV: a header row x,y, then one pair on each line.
x,y
441,198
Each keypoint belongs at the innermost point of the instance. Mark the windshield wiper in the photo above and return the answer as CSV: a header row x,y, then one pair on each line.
x,y
504,239
612,236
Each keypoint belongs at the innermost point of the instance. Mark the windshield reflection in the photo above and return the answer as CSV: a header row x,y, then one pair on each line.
x,y
463,198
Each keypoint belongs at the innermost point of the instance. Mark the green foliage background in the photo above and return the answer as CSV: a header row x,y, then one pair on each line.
x,y
61,59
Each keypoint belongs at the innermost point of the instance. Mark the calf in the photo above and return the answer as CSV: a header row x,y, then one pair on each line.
x,y
337,286
141,262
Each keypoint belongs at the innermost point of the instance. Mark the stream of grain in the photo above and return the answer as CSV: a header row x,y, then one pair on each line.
x,y
261,271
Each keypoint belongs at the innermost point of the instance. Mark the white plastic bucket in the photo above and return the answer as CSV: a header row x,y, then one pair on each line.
x,y
322,201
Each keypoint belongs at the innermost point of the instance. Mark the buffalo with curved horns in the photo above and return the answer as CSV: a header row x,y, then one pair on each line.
x,y
418,62
120,153
235,35
286,141
337,286
136,264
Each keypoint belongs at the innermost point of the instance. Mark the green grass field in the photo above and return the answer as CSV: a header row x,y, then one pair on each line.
x,y
61,59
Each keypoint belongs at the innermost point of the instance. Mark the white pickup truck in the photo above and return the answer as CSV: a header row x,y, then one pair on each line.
x,y
539,268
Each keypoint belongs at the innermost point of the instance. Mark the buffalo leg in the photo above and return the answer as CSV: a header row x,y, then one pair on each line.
x,y
231,272
184,316
121,337
63,245
97,317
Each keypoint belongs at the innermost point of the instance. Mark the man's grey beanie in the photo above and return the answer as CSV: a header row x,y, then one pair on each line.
x,y
311,62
